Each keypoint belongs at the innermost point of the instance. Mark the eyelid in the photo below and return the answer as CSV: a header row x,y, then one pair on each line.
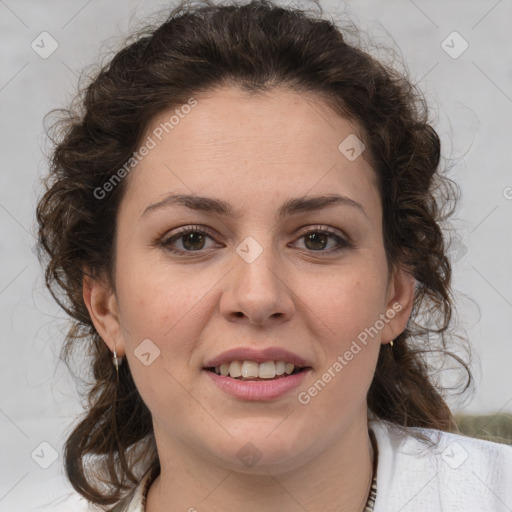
x,y
319,227
191,227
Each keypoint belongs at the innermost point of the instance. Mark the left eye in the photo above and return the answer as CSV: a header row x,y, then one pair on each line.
x,y
320,240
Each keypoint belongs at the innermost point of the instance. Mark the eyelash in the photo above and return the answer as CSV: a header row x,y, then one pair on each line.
x,y
166,243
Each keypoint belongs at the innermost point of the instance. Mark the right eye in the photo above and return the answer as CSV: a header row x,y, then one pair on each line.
x,y
187,239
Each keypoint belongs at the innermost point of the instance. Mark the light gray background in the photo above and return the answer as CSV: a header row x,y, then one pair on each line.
x,y
472,100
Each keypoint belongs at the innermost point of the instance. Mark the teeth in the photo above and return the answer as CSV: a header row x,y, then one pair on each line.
x,y
235,369
249,369
267,370
280,367
252,370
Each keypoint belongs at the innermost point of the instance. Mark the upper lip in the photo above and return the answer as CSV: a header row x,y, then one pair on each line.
x,y
257,355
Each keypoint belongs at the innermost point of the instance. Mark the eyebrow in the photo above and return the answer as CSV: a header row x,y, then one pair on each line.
x,y
220,207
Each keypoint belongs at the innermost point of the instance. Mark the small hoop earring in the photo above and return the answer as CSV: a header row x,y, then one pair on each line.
x,y
117,361
391,343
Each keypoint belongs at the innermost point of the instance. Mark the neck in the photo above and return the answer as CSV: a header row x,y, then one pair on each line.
x,y
341,482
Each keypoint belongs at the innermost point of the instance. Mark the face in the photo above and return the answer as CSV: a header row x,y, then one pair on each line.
x,y
276,254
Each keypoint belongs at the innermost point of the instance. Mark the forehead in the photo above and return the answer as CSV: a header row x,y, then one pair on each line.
x,y
235,143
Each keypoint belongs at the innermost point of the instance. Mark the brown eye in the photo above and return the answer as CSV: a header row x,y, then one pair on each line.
x,y
187,240
323,241
316,241
193,241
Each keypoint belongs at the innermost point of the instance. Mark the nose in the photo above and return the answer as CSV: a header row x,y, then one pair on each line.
x,y
257,292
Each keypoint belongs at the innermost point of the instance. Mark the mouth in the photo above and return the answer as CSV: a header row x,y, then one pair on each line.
x,y
253,371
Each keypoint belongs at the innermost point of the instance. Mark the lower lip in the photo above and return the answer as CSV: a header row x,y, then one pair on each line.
x,y
258,389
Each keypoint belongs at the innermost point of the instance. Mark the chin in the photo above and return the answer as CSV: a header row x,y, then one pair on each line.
x,y
263,450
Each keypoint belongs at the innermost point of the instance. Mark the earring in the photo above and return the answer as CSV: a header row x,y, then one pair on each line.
x,y
117,361
390,344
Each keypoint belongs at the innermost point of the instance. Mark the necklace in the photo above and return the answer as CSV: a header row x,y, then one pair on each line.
x,y
372,495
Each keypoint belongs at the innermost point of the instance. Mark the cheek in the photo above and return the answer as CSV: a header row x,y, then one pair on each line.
x,y
164,314
343,311
342,315
168,307
344,303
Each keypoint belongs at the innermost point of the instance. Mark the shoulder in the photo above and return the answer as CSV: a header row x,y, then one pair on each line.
x,y
446,471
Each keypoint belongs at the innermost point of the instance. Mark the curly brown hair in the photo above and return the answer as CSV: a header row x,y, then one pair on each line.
x,y
256,46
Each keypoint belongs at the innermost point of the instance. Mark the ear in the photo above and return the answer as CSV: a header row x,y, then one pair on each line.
x,y
400,300
102,304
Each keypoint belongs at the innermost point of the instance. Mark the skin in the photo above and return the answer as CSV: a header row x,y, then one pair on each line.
x,y
255,152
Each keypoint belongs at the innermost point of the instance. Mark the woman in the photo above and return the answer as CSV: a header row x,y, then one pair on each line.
x,y
244,218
